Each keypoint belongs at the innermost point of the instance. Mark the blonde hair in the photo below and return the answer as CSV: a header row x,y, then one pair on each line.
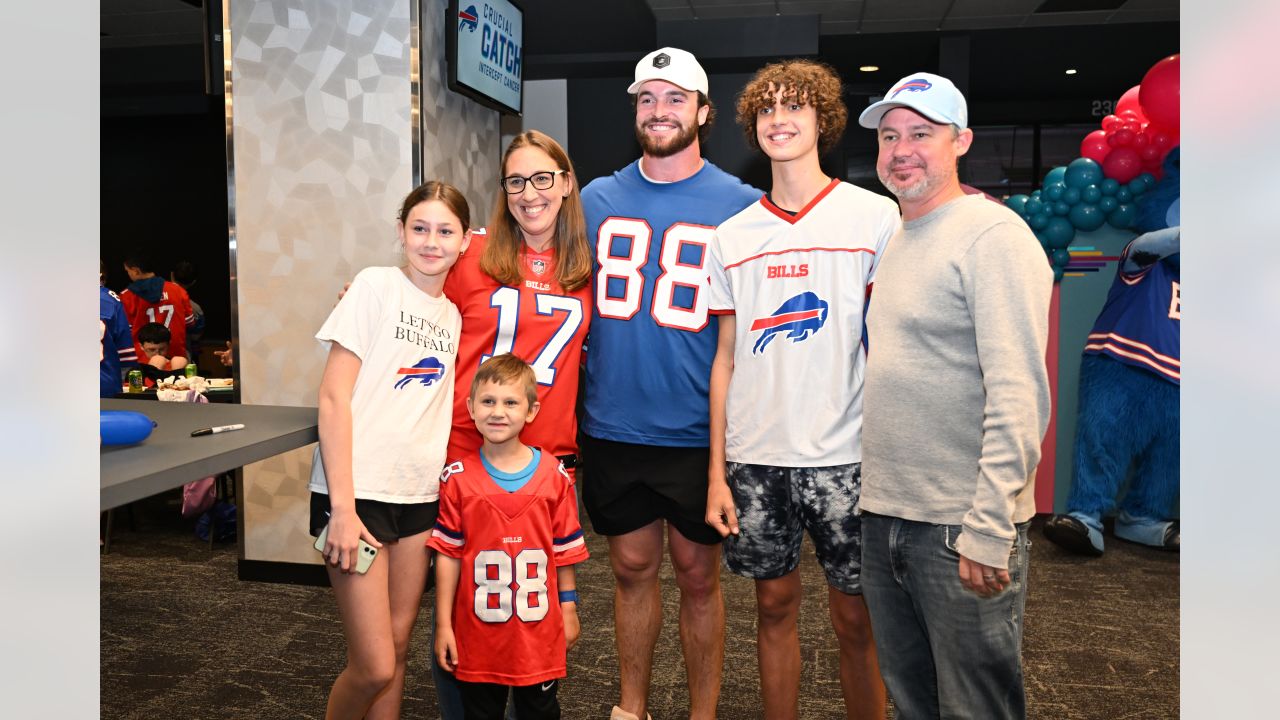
x,y
505,246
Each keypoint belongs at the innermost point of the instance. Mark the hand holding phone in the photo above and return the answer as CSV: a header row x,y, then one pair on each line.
x,y
365,553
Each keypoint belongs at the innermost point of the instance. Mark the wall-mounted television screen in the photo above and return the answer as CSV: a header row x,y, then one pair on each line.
x,y
485,45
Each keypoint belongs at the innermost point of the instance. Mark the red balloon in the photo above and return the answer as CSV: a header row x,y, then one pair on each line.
x,y
1141,140
1121,138
1149,154
1128,103
1162,136
1111,122
1160,93
1122,165
1094,146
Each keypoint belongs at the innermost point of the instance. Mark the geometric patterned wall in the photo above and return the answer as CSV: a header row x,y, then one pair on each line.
x,y
322,144
459,136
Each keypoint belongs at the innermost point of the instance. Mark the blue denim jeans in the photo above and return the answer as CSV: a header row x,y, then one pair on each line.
x,y
944,651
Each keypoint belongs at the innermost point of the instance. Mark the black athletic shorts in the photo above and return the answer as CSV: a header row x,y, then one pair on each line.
x,y
626,486
387,521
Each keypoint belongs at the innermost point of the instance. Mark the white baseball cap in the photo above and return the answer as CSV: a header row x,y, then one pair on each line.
x,y
933,96
676,66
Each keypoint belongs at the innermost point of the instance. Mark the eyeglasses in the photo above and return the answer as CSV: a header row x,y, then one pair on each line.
x,y
514,184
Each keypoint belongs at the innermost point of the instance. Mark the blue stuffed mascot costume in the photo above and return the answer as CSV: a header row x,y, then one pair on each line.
x,y
1129,381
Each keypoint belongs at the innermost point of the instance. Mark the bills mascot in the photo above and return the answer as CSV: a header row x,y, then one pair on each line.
x,y
1129,380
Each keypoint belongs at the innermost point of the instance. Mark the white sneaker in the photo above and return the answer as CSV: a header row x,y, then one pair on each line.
x,y
619,714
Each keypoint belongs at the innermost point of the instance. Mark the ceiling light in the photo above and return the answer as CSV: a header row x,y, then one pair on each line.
x,y
1071,71
869,68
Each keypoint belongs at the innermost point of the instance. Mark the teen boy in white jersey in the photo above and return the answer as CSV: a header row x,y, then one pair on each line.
x,y
790,276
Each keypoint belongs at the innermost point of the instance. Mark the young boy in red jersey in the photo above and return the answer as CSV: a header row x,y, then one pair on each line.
x,y
509,516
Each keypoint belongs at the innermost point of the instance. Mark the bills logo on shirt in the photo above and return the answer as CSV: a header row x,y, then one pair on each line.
x,y
799,317
467,19
427,370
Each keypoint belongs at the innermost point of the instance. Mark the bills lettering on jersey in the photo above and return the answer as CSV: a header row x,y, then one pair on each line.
x,y
1175,301
788,271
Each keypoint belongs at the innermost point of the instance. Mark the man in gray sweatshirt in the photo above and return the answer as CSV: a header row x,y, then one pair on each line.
x,y
956,403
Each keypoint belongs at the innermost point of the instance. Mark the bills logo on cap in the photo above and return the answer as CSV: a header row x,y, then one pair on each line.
x,y
799,317
915,85
538,265
468,18
661,60
427,370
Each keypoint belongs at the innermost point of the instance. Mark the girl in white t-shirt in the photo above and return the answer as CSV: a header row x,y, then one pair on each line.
x,y
386,402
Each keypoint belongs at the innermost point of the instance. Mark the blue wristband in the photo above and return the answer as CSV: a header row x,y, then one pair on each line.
x,y
569,596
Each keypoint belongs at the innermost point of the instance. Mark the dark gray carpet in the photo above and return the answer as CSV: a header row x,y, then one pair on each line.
x,y
181,637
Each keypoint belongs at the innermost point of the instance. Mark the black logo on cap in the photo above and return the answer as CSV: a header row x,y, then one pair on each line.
x,y
661,60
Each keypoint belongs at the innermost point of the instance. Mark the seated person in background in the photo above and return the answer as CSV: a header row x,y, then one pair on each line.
x,y
154,340
152,299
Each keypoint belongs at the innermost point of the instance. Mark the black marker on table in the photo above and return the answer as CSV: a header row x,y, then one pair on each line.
x,y
218,429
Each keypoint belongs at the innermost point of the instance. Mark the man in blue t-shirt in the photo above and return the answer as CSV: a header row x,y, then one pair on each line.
x,y
645,429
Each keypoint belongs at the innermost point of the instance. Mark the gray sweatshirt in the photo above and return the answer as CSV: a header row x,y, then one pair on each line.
x,y
956,399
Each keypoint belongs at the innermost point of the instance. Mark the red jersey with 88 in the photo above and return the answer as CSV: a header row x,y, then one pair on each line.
x,y
506,611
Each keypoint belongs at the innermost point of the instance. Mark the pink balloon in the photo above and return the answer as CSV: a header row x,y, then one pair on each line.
x,y
1094,146
1128,103
1160,93
1122,164
1121,138
1111,122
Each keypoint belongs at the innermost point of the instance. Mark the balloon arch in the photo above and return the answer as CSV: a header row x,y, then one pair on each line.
x,y
1117,164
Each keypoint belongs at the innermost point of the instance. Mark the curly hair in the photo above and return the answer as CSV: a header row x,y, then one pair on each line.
x,y
804,81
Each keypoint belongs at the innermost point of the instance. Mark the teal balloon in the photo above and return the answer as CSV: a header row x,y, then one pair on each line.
x,y
1039,220
1071,196
1058,233
1136,186
1055,175
1082,172
1107,204
1123,195
1090,194
1058,273
1148,180
1087,217
1061,208
1054,190
1061,257
1035,194
1033,207
1018,204
1109,186
1124,216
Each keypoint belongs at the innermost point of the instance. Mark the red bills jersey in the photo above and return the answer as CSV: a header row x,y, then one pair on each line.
x,y
538,322
173,310
506,612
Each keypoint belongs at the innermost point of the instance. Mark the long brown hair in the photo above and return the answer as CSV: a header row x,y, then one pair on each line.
x,y
504,245
436,190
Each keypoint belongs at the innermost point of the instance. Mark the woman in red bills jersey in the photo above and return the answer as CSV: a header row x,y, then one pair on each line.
x,y
524,288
